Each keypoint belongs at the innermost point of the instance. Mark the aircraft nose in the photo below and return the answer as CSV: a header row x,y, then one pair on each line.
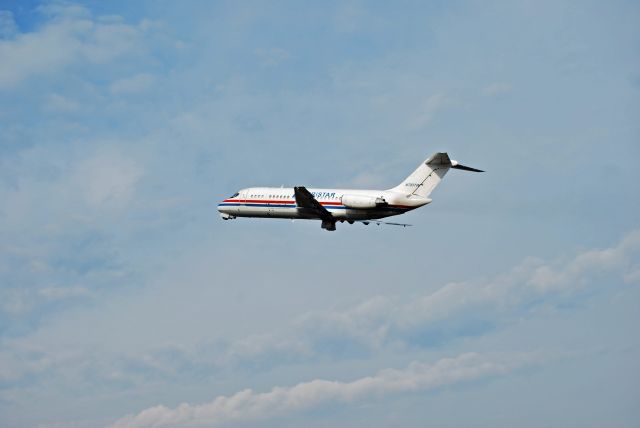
x,y
226,211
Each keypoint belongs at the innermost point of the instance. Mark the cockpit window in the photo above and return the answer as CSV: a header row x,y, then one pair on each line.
x,y
234,195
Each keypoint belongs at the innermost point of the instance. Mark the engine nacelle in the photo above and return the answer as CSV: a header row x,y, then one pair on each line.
x,y
362,201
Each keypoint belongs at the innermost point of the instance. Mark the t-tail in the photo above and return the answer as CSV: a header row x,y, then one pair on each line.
x,y
428,175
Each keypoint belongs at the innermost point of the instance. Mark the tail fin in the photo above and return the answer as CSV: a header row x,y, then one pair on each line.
x,y
428,175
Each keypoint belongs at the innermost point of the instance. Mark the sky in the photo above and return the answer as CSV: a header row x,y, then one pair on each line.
x,y
125,301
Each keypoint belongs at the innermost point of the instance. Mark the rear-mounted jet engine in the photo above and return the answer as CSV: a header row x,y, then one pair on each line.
x,y
362,201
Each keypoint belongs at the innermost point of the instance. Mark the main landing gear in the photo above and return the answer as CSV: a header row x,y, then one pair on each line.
x,y
328,225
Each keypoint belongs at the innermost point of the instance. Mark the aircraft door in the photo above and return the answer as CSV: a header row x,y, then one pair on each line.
x,y
270,207
243,197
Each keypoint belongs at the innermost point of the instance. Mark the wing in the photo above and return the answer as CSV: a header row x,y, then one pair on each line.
x,y
304,199
378,222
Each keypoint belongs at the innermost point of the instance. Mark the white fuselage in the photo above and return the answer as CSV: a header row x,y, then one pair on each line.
x,y
343,204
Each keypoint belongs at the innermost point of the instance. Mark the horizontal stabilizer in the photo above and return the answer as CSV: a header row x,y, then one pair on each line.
x,y
378,222
456,165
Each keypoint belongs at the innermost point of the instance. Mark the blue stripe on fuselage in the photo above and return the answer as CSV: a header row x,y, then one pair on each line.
x,y
329,207
226,204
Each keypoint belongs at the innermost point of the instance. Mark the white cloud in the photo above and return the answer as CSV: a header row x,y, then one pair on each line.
x,y
248,405
56,103
497,88
273,56
70,36
349,17
16,362
450,312
57,227
633,276
429,109
64,10
108,180
453,311
8,27
16,302
60,293
138,83
49,50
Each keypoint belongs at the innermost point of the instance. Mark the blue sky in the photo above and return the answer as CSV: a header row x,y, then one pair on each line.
x,y
126,302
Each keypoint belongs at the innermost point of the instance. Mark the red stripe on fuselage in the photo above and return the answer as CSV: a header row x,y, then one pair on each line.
x,y
275,201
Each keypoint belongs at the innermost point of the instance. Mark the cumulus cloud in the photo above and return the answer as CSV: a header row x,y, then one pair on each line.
x,y
455,310
248,405
70,35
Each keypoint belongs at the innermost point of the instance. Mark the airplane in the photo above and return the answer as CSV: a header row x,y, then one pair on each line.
x,y
340,205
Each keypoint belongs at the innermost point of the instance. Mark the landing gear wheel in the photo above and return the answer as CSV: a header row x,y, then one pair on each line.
x,y
328,225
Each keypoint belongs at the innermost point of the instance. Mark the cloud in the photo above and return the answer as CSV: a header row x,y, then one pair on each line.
x,y
8,27
455,310
497,88
58,226
431,320
18,301
108,180
57,293
56,103
69,36
59,212
19,362
273,56
248,405
349,17
138,83
427,112
21,301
